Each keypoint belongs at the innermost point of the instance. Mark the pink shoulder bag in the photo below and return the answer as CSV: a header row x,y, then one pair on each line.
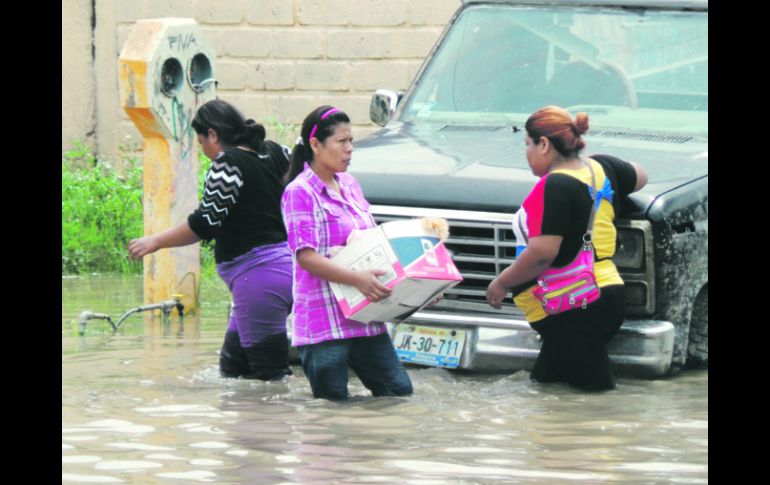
x,y
574,285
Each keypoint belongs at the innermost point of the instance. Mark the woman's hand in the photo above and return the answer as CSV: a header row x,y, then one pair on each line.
x,y
641,176
368,284
172,237
138,248
495,294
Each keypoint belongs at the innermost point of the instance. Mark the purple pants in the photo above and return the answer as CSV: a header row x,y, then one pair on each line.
x,y
260,282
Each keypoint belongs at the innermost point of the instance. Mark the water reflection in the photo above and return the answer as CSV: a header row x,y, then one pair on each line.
x,y
150,407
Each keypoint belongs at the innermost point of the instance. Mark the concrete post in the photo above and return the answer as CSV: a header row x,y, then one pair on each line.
x,y
166,72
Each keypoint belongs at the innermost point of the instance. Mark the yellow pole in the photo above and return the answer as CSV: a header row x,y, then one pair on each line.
x,y
162,67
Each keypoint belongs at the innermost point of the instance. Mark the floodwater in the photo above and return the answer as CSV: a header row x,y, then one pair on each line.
x,y
147,406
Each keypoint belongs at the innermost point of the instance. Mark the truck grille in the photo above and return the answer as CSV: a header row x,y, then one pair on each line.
x,y
482,245
480,250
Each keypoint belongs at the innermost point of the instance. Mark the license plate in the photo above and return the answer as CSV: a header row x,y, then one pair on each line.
x,y
437,347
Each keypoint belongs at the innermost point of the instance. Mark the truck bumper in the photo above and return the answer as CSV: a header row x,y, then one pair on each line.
x,y
642,348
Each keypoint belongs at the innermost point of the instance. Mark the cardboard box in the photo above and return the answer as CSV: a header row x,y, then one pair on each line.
x,y
418,268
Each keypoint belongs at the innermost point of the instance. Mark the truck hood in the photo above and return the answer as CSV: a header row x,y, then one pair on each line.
x,y
485,168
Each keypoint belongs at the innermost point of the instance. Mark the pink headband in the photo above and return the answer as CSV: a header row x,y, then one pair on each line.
x,y
323,117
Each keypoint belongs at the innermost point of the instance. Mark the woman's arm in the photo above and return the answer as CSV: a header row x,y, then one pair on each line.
x,y
172,237
540,253
365,281
641,176
222,191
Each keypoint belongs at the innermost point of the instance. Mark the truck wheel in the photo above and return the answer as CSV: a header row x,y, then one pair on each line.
x,y
698,347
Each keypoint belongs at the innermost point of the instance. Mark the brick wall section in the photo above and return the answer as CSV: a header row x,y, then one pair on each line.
x,y
281,58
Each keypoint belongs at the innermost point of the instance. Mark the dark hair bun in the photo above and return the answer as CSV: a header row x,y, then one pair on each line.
x,y
253,133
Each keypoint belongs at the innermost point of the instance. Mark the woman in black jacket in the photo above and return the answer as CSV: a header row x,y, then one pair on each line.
x,y
241,211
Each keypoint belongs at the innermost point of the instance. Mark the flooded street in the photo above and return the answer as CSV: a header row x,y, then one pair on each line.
x,y
148,406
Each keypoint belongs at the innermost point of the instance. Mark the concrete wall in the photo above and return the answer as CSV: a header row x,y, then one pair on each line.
x,y
77,74
275,58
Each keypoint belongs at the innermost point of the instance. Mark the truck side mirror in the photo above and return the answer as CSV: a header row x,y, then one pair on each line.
x,y
383,106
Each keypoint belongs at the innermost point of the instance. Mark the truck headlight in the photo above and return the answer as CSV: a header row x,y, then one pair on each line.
x,y
629,252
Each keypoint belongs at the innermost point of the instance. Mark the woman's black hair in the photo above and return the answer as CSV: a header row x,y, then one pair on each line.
x,y
320,123
230,125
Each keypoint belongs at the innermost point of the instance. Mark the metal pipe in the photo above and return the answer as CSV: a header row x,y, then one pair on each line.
x,y
165,307
86,315
125,315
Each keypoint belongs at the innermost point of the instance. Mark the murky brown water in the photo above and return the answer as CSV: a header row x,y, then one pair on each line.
x,y
148,406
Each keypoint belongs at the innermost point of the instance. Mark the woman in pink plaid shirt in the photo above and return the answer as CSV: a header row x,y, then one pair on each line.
x,y
321,206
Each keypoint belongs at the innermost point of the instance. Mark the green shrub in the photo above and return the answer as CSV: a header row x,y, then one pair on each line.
x,y
102,209
101,212
284,134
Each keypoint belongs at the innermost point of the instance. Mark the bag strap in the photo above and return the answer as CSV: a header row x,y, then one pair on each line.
x,y
588,236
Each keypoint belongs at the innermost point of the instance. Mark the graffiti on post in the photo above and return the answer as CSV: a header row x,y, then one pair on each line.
x,y
183,132
161,109
181,41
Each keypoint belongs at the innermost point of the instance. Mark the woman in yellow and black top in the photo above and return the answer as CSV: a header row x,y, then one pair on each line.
x,y
557,211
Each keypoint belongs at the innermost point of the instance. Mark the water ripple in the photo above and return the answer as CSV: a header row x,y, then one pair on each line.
x,y
206,462
109,425
449,469
195,476
164,456
126,465
209,445
72,477
80,459
139,446
663,467
179,410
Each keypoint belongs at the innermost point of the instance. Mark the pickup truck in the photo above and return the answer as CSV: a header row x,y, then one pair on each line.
x,y
452,146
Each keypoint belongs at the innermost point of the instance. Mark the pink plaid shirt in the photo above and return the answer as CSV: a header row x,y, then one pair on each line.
x,y
320,219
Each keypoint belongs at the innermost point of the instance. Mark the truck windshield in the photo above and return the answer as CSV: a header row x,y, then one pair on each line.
x,y
641,68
